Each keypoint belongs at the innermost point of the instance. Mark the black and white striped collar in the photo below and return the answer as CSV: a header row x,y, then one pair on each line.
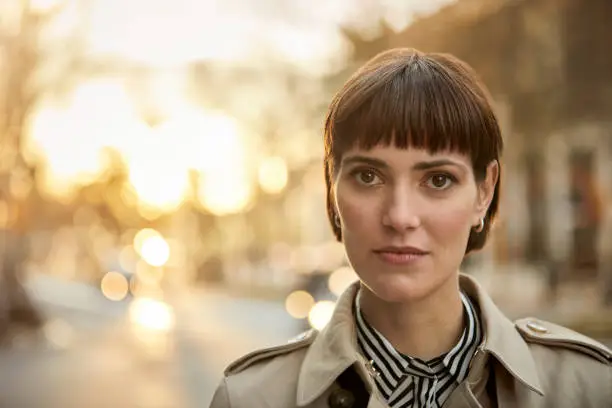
x,y
393,365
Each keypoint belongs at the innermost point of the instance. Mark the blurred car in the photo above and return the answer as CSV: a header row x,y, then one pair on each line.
x,y
317,284
314,298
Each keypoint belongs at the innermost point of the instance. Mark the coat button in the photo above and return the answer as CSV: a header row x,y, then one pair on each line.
x,y
341,398
371,369
536,327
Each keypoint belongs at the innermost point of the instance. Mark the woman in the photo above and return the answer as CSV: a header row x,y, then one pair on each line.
x,y
412,166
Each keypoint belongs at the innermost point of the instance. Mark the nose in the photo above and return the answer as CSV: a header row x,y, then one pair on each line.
x,y
401,210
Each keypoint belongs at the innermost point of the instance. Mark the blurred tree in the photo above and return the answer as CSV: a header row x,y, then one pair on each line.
x,y
21,64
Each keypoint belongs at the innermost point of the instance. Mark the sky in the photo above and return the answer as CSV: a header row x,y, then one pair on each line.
x,y
167,32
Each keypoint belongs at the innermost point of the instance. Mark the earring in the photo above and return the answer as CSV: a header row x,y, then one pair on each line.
x,y
337,221
480,226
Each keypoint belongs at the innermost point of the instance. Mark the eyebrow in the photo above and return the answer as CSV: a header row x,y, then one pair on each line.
x,y
423,165
426,165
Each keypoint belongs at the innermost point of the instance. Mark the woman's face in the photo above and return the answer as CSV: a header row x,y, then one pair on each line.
x,y
406,216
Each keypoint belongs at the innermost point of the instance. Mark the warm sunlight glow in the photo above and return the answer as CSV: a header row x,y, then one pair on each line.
x,y
158,186
224,195
69,161
192,30
212,142
273,175
69,139
44,6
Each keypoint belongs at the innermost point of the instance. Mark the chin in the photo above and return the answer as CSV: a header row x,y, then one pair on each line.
x,y
404,288
400,289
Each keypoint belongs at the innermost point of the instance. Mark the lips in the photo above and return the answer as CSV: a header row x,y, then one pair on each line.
x,y
406,250
400,255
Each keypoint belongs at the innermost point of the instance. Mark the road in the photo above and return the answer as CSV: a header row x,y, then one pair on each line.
x,y
92,356
220,328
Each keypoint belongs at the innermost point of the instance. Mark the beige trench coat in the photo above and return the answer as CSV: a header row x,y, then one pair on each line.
x,y
524,364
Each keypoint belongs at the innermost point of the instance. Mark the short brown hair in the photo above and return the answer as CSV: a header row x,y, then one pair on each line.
x,y
423,100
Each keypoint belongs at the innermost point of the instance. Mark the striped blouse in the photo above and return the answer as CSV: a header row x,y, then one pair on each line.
x,y
411,382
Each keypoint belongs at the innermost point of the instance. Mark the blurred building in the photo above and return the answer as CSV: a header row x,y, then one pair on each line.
x,y
548,66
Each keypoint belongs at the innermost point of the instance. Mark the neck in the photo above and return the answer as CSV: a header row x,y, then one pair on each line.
x,y
424,328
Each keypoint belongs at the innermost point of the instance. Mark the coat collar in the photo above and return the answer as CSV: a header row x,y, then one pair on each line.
x,y
335,348
501,338
331,353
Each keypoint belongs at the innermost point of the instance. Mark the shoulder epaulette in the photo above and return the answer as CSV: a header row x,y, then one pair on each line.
x,y
550,334
302,340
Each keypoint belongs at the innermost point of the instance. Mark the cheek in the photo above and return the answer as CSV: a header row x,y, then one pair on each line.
x,y
356,210
451,222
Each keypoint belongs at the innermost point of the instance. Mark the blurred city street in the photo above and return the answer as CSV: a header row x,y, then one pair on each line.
x,y
91,356
163,199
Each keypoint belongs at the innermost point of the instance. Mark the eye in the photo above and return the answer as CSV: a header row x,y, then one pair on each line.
x,y
367,177
440,181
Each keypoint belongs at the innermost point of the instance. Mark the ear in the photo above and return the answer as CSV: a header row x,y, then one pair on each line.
x,y
486,189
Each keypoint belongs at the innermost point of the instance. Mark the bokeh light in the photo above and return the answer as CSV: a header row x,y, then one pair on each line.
x,y
273,175
341,279
321,313
299,303
114,286
155,251
143,235
151,314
